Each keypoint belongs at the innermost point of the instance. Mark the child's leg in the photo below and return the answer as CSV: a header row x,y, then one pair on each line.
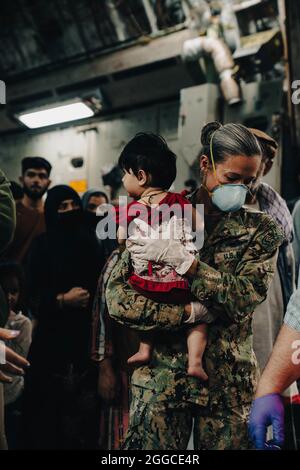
x,y
144,353
196,341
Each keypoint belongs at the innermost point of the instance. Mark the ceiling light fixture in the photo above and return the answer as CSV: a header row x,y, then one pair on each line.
x,y
56,114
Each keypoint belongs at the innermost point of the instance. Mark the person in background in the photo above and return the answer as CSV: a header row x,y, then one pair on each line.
x,y
112,345
281,371
296,240
14,364
268,316
91,201
17,191
60,401
13,282
35,180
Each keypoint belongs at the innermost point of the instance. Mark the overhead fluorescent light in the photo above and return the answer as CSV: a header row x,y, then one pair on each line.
x,y
56,114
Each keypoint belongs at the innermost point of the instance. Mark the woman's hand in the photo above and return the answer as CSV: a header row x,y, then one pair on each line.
x,y
155,245
192,271
5,379
6,335
76,298
187,311
11,369
14,363
15,359
107,381
195,312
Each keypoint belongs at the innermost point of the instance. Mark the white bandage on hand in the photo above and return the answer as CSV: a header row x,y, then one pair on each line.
x,y
199,313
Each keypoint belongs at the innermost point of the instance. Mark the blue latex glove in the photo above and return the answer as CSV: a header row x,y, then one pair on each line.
x,y
266,411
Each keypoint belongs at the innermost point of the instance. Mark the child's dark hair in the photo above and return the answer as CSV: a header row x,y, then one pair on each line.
x,y
150,152
12,269
228,140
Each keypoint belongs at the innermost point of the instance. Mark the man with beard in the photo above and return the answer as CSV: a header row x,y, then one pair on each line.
x,y
30,210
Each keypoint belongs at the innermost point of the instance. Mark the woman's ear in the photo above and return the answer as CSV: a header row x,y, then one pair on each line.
x,y
204,163
142,177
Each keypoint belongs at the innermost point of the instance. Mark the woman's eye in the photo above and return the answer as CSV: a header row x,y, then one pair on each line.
x,y
230,178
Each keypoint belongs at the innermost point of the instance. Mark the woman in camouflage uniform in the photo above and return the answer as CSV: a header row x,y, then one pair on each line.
x,y
230,277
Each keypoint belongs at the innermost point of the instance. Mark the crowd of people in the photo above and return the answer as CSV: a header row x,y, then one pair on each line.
x,y
132,341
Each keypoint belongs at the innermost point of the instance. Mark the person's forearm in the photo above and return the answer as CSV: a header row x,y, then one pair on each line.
x,y
191,273
131,309
135,311
283,367
234,294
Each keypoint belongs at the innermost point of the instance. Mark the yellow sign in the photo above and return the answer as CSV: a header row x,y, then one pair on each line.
x,y
79,185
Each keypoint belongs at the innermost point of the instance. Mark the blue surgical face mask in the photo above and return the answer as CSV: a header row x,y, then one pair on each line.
x,y
229,197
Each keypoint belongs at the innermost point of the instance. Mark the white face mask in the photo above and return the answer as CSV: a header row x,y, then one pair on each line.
x,y
227,197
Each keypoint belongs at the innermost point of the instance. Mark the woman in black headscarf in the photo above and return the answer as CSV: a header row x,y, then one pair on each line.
x,y
60,409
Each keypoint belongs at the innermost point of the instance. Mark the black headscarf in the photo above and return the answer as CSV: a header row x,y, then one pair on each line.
x,y
74,249
55,197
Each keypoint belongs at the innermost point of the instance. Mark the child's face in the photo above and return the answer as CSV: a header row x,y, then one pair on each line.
x,y
133,184
11,289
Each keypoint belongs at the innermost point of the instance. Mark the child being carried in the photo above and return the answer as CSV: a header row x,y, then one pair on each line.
x,y
149,170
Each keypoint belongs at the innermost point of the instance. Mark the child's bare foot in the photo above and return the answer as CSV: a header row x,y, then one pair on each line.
x,y
139,358
197,371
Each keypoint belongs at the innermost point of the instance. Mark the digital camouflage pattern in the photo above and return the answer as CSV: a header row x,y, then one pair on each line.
x,y
156,425
236,266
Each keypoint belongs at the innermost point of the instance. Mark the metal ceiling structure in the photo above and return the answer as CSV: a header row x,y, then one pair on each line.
x,y
123,53
39,35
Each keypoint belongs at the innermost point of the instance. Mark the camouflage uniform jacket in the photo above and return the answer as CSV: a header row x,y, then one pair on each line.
x,y
7,228
236,265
